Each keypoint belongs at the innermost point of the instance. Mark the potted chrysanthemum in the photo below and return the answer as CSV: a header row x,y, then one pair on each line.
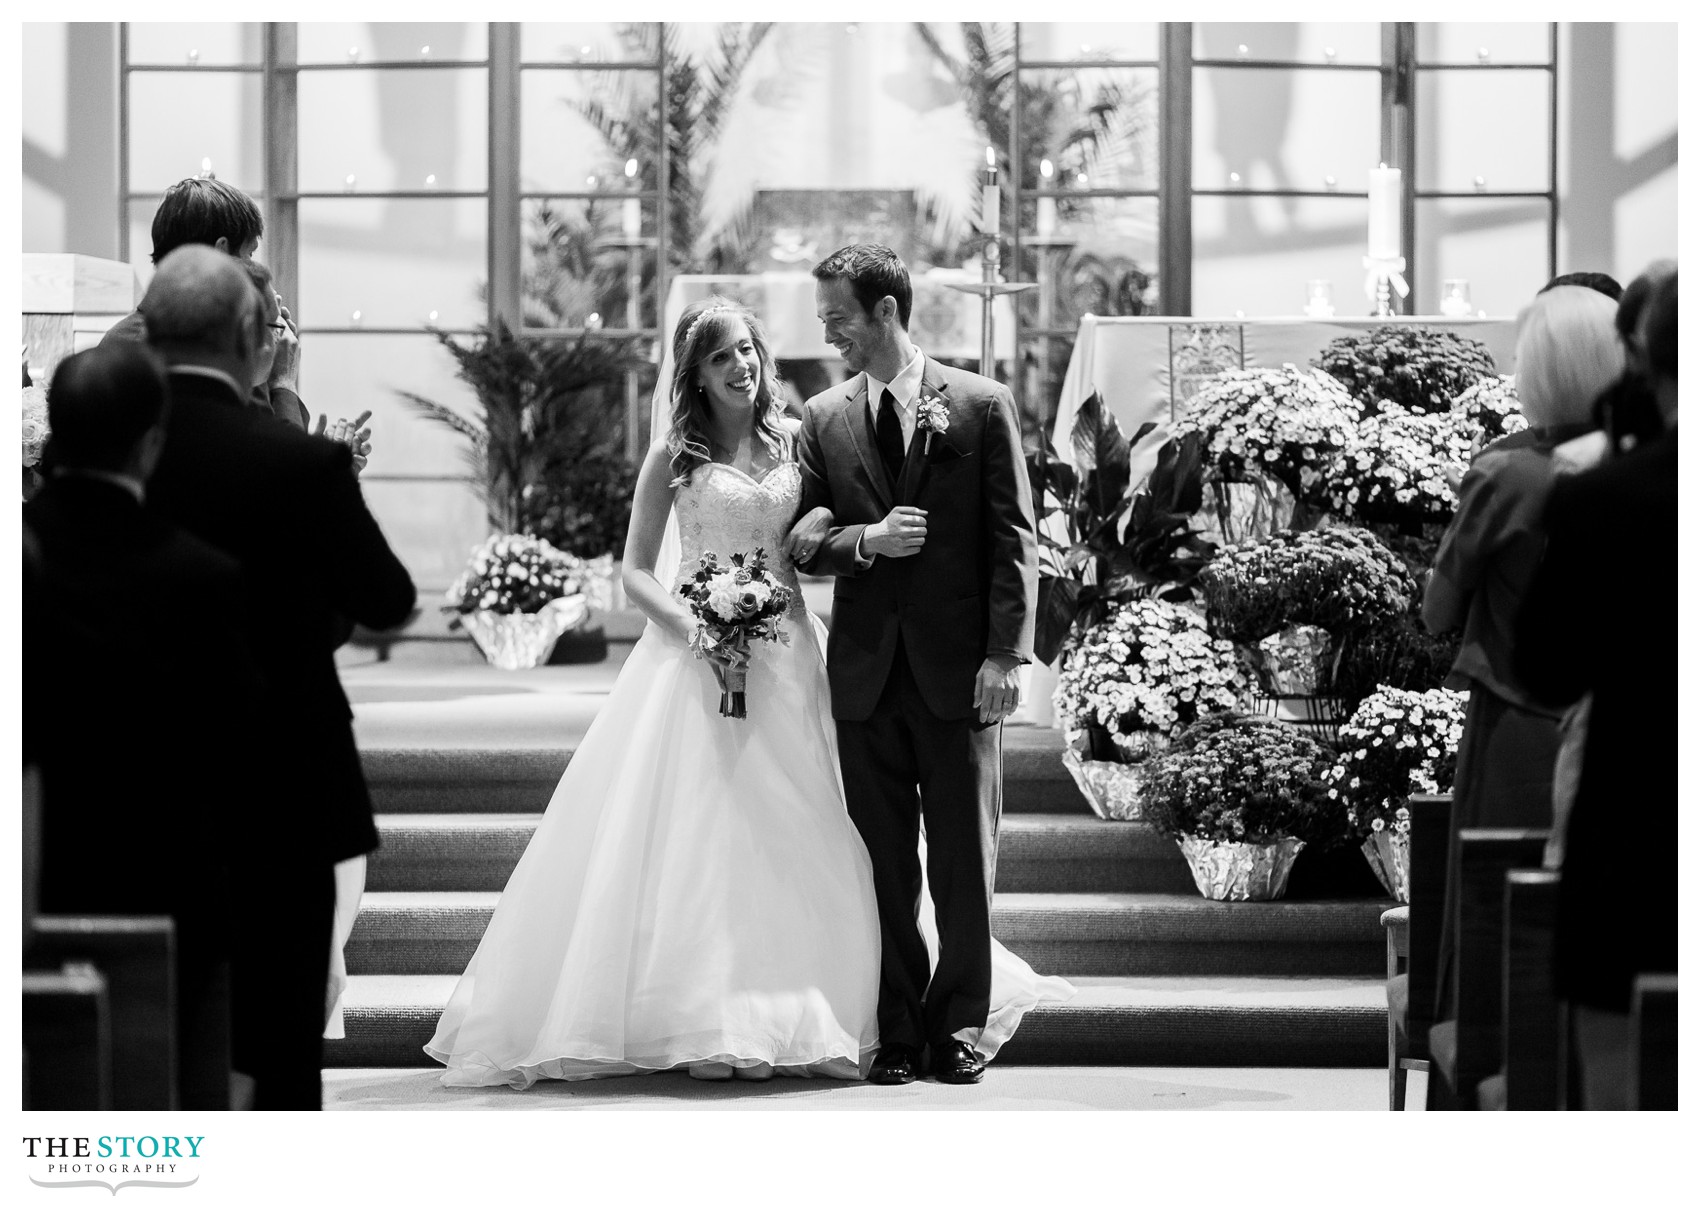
x,y
1418,368
35,437
1267,434
517,596
1489,411
1293,599
1128,685
1242,795
1398,743
1394,471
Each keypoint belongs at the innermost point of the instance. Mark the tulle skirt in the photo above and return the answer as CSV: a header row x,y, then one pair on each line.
x,y
695,892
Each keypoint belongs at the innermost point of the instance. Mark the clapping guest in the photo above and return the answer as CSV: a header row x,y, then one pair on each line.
x,y
282,370
1567,353
140,689
286,505
1600,618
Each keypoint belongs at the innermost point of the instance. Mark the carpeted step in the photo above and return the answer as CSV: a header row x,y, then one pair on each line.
x,y
493,775
1114,934
1324,1022
473,852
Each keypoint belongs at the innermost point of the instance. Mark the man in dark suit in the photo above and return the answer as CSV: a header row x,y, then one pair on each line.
x,y
1601,618
205,210
288,507
139,690
935,554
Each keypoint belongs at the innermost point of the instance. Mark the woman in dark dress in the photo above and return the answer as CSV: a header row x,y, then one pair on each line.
x,y
1567,354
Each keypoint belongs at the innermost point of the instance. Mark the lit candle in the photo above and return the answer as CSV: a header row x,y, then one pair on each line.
x,y
206,166
1047,206
631,210
990,198
1384,213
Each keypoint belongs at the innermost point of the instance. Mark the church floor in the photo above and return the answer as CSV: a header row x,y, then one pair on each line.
x,y
1006,1088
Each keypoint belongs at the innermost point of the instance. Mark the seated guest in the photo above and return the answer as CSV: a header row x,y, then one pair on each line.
x,y
288,506
1567,353
139,687
204,210
1600,618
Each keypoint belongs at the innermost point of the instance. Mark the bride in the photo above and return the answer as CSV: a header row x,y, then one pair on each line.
x,y
696,895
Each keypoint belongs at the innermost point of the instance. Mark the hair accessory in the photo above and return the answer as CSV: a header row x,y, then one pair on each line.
x,y
702,315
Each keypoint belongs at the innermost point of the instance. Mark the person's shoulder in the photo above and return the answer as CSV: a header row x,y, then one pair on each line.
x,y
132,328
965,384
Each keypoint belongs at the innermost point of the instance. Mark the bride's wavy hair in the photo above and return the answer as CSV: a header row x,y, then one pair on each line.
x,y
701,330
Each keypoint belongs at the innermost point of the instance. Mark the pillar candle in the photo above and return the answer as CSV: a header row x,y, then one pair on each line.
x,y
631,211
990,199
1047,206
1384,201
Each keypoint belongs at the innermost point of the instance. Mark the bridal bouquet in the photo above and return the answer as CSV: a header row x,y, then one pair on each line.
x,y
734,603
1398,743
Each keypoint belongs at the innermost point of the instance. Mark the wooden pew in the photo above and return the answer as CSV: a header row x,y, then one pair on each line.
x,y
1532,1026
1466,1048
67,1038
1652,1042
137,958
1413,936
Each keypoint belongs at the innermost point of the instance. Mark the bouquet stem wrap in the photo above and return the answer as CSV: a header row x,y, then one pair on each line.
x,y
733,680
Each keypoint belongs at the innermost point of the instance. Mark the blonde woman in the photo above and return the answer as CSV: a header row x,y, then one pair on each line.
x,y
1567,354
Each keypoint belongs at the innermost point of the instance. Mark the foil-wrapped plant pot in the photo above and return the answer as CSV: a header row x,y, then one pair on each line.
x,y
1140,747
1115,790
1240,871
1294,659
1319,715
1251,508
523,641
1389,855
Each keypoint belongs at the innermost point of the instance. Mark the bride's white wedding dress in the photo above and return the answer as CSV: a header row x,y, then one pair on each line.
x,y
696,891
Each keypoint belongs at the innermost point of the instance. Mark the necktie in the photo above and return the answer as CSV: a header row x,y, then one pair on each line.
x,y
889,431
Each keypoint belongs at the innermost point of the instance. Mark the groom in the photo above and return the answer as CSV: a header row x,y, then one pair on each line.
x,y
935,555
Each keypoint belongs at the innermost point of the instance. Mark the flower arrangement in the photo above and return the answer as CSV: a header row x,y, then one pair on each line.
x,y
734,603
1490,410
1240,778
1342,578
1283,423
36,430
1398,743
1420,369
1146,672
1394,470
514,574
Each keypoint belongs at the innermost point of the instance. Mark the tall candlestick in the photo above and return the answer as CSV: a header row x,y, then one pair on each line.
x,y
1047,206
990,198
631,210
1384,213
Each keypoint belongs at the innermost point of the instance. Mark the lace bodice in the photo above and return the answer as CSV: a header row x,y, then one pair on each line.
x,y
724,511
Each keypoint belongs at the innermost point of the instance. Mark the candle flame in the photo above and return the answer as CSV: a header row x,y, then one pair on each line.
x,y
206,166
631,168
991,157
1046,169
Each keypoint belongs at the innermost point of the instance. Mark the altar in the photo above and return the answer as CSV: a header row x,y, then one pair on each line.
x,y
943,322
1147,368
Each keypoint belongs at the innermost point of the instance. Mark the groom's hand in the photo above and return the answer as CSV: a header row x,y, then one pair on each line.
x,y
902,532
997,688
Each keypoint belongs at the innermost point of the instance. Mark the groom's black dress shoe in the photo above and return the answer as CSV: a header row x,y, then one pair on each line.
x,y
955,1064
896,1065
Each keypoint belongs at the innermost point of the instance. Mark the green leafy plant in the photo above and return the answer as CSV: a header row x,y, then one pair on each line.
x,y
546,405
1418,368
1242,778
1125,512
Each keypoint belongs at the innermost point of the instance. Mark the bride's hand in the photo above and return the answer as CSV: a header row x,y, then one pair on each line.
x,y
809,534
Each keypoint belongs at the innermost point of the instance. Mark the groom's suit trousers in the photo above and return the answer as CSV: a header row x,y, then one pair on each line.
x,y
903,765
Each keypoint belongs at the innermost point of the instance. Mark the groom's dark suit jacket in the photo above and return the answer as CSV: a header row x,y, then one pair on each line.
x,y
970,591
288,507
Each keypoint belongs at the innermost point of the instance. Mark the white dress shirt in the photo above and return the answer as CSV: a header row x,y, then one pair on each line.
x,y
905,390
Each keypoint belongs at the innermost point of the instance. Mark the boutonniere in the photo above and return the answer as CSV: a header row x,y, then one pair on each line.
x,y
933,417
